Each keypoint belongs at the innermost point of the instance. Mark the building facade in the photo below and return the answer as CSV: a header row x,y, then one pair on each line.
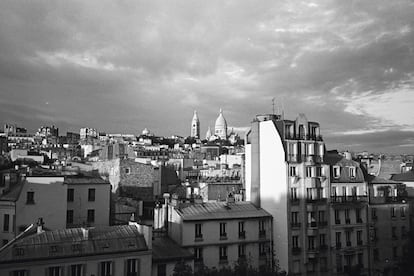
x,y
195,126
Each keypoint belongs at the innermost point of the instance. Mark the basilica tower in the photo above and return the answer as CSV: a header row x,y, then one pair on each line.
x,y
195,126
220,128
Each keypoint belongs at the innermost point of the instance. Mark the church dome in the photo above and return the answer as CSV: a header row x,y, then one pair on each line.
x,y
220,128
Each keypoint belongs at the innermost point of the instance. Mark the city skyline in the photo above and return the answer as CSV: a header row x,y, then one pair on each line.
x,y
121,67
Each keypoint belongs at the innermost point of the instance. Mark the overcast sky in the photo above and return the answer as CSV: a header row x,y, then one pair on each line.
x,y
121,66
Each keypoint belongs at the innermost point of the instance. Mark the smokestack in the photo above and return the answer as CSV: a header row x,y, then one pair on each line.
x,y
40,224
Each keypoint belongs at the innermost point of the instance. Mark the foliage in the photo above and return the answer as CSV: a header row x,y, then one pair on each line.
x,y
182,269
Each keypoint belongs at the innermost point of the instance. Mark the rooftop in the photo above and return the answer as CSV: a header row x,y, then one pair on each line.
x,y
221,210
164,249
406,176
65,243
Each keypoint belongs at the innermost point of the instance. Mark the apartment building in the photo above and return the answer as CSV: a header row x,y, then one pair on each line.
x,y
389,225
348,215
63,201
285,174
219,233
101,251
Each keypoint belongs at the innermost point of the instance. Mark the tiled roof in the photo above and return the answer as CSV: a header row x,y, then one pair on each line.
x,y
219,210
406,176
163,249
65,243
13,194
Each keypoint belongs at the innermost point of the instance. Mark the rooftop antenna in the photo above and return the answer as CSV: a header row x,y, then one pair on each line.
x,y
273,106
283,108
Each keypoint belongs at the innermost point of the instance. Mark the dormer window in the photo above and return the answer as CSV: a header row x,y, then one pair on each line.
x,y
292,171
336,171
352,172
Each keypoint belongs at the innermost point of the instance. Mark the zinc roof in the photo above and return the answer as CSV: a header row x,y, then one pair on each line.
x,y
219,210
71,242
163,249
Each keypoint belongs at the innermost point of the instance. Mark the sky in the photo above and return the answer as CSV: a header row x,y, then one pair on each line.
x,y
121,66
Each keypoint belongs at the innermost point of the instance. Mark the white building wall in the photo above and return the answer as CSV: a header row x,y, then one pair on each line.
x,y
274,188
248,171
49,202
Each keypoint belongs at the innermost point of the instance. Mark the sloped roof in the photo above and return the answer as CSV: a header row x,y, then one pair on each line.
x,y
406,176
65,243
85,180
219,210
380,180
164,249
13,194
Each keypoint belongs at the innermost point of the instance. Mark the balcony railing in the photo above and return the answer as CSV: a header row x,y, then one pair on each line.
x,y
322,223
296,250
262,234
242,234
295,224
290,136
348,199
338,245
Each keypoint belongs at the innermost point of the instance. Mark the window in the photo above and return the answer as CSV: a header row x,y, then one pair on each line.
x,y
395,252
91,216
223,253
321,217
53,249
70,196
394,232
359,237
338,263
311,219
76,270
242,234
374,213
198,233
309,171
295,241
338,239
311,149
223,233
198,254
403,232
376,254
6,222
348,238
322,240
69,216
30,198
262,249
54,271
319,171
242,250
294,218
292,171
19,273
127,170
336,171
361,259
337,217
344,191
105,268
402,212
358,215
393,212
132,267
311,242
347,218
162,270
352,172
262,231
309,193
91,194
354,191
293,194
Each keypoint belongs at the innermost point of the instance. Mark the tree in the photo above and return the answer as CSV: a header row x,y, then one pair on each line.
x,y
182,269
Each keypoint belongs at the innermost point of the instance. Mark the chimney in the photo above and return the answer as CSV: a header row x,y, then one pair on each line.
x,y
6,182
165,207
40,224
348,155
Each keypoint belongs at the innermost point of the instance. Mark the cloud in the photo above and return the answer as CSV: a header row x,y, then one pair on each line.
x,y
123,66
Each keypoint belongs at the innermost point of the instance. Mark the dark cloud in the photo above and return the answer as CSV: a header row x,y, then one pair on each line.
x,y
123,66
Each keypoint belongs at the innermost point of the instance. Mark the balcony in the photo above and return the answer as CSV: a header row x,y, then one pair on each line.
x,y
242,234
295,224
338,245
198,238
313,224
323,247
348,243
223,236
337,221
347,221
359,220
290,136
349,199
294,201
